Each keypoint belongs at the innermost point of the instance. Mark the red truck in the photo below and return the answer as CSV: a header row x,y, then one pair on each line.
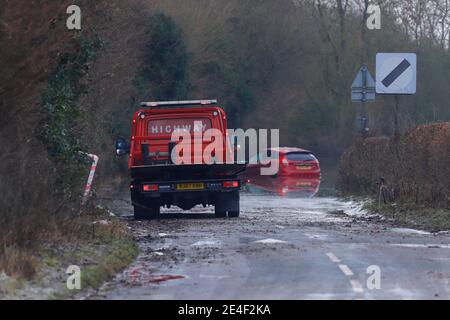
x,y
159,179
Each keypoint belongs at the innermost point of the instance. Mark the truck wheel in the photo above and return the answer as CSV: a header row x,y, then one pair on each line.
x,y
234,205
141,213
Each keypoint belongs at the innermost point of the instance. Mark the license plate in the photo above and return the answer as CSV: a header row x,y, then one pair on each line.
x,y
304,184
303,167
190,186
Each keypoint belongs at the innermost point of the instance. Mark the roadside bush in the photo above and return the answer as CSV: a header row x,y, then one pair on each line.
x,y
361,167
417,166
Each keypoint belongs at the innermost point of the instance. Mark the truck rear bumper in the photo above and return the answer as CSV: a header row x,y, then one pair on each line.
x,y
188,186
184,194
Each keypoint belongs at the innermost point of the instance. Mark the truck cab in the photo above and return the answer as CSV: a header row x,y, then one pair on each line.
x,y
171,162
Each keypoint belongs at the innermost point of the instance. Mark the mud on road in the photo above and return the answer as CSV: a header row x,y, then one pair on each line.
x,y
280,248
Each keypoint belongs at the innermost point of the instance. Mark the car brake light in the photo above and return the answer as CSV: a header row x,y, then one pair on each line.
x,y
284,160
150,187
230,184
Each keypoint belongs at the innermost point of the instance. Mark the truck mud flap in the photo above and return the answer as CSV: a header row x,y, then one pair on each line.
x,y
228,201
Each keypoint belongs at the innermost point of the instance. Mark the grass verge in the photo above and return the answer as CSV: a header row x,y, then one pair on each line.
x,y
412,216
102,248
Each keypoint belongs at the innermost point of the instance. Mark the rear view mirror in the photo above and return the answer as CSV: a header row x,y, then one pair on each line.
x,y
122,147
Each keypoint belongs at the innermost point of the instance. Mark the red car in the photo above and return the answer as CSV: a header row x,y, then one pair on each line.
x,y
292,162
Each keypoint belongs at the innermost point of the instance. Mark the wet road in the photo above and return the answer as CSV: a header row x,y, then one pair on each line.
x,y
282,248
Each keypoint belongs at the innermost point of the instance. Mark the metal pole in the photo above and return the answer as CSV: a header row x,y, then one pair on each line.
x,y
396,122
363,114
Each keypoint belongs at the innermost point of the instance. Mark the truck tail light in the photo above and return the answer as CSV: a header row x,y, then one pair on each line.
x,y
230,184
150,187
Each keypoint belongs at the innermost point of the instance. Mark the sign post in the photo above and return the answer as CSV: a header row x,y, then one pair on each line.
x,y
363,90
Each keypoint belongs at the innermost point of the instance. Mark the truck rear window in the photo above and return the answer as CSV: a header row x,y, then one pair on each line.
x,y
168,126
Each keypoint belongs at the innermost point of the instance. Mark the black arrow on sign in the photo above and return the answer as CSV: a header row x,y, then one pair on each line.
x,y
397,72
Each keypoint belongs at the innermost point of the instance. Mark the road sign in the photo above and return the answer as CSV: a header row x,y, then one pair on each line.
x,y
396,73
363,87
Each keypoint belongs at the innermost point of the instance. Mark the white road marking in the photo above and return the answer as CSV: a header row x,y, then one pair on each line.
x,y
346,270
162,235
333,258
270,241
356,286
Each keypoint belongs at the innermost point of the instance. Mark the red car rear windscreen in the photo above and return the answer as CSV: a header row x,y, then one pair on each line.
x,y
164,127
300,156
